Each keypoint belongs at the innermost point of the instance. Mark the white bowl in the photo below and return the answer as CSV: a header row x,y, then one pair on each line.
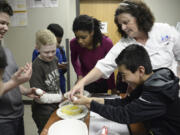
x,y
68,127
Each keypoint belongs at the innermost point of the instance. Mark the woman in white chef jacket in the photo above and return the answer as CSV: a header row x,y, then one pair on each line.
x,y
136,24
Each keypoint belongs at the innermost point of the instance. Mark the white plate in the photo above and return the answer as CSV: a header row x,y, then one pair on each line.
x,y
65,116
68,127
85,93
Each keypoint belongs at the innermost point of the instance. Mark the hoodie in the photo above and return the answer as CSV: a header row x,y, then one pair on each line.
x,y
155,103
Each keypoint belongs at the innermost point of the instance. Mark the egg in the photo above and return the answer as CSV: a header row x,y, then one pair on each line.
x,y
75,98
39,91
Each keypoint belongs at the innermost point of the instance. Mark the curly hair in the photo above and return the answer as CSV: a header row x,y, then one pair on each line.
x,y
87,23
139,10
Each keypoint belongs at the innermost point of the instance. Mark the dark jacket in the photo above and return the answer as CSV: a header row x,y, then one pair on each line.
x,y
155,103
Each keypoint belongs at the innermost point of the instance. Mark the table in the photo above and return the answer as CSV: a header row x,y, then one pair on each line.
x,y
53,118
135,129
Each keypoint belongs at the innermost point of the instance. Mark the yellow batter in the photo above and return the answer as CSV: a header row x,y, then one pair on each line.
x,y
71,109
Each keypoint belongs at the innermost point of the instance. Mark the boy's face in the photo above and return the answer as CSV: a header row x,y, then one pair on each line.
x,y
47,52
4,22
133,79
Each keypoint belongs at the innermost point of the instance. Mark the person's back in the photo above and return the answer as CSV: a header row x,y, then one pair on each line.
x,y
46,77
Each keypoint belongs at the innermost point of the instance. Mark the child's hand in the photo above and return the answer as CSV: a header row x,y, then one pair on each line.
x,y
32,93
81,100
39,92
23,74
62,65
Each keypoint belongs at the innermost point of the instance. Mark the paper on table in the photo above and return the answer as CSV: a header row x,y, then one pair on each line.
x,y
97,122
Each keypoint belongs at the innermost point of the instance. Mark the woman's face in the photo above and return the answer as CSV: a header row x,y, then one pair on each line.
x,y
128,24
84,38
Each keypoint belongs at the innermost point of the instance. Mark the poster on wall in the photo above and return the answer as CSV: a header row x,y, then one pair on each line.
x,y
19,17
42,3
104,27
18,5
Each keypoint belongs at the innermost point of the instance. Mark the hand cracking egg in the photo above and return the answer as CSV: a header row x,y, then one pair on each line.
x,y
75,98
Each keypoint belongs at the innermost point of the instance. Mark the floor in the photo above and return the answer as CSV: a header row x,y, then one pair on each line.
x,y
30,127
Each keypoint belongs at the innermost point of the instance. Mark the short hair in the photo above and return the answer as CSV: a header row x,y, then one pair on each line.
x,y
56,29
45,37
87,23
139,10
5,8
134,56
3,59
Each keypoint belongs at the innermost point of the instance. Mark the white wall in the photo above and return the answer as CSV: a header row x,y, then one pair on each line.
x,y
166,11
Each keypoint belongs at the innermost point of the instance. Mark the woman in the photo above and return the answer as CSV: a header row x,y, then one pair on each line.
x,y
89,46
136,24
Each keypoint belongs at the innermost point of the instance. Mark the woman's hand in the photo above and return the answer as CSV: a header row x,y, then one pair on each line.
x,y
78,88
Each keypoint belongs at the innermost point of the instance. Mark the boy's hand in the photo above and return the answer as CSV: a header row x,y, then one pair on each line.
x,y
82,100
32,93
62,65
23,74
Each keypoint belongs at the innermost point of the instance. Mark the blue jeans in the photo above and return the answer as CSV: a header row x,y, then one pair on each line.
x,y
13,127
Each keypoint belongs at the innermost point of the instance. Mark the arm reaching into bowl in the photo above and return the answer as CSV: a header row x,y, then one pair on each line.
x,y
92,76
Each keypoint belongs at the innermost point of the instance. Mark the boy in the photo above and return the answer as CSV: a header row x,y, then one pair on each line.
x,y
45,76
153,101
11,105
57,30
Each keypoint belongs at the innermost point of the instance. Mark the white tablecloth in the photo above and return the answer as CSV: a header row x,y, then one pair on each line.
x,y
97,122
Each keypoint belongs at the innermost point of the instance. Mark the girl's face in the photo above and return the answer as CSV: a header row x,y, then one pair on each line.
x,y
128,24
84,38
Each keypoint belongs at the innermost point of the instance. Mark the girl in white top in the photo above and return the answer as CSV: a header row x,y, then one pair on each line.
x,y
136,24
